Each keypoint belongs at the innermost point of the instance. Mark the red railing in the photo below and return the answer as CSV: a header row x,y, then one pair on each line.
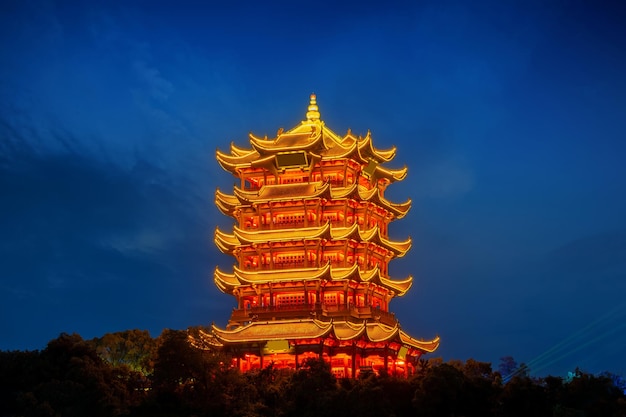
x,y
294,225
317,310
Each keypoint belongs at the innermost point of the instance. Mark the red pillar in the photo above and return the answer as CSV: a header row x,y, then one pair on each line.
x,y
353,361
386,361
261,356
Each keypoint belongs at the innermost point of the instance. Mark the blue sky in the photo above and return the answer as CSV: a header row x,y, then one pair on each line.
x,y
509,115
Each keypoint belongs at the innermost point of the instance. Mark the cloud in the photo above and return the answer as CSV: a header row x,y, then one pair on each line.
x,y
157,86
82,235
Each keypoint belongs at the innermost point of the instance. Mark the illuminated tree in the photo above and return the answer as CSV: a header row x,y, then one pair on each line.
x,y
133,348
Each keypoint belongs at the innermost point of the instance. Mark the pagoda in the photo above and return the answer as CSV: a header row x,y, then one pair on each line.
x,y
312,253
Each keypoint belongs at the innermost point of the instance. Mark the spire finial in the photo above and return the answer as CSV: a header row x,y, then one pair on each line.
x,y
313,113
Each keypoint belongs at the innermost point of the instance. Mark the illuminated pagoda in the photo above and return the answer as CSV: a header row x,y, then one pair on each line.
x,y
312,252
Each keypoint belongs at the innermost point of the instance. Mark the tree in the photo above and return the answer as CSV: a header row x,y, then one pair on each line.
x,y
482,387
311,390
265,391
441,392
594,395
383,395
75,381
522,397
178,367
133,348
507,367
191,380
20,372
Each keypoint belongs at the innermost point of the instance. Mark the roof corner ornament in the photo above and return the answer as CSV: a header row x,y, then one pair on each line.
x,y
313,111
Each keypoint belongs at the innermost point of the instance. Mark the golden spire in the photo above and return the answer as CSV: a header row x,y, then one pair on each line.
x,y
313,113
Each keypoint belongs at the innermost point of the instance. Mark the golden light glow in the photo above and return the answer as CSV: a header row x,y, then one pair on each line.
x,y
311,251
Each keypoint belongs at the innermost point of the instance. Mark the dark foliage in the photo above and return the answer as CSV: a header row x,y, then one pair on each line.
x,y
67,378
131,374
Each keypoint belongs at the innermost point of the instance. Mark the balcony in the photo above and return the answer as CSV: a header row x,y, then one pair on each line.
x,y
294,265
278,225
319,311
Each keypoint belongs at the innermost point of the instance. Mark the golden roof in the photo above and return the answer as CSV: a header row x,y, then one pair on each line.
x,y
284,192
426,346
391,174
227,243
242,157
248,237
227,282
373,235
288,192
344,330
367,151
226,203
295,139
237,151
400,287
274,330
378,332
374,195
267,276
325,145
313,329
311,136
203,340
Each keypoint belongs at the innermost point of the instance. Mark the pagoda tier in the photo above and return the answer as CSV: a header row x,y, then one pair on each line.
x,y
317,139
348,291
350,347
311,247
312,253
310,331
328,197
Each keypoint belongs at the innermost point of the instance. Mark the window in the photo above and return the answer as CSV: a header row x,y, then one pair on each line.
x,y
330,299
286,300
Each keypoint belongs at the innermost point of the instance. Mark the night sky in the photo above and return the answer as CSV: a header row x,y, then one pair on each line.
x,y
511,117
